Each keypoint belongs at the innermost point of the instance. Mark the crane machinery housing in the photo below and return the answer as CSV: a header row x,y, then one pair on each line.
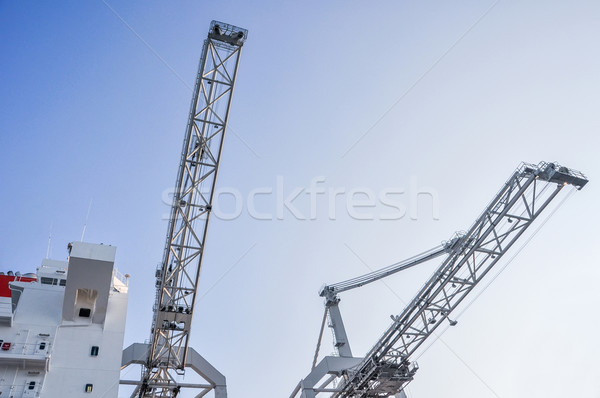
x,y
168,353
388,366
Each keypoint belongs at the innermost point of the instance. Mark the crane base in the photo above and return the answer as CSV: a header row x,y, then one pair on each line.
x,y
138,353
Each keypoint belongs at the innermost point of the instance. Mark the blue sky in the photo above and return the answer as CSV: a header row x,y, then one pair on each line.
x,y
447,96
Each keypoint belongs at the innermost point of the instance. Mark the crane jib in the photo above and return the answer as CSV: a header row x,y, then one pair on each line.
x,y
168,354
387,367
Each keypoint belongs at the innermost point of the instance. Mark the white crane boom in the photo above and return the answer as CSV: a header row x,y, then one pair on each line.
x,y
168,354
387,368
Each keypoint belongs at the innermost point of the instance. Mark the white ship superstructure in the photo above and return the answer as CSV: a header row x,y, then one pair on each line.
x,y
61,330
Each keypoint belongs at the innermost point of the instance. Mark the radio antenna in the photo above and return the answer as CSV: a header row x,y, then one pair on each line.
x,y
49,242
86,220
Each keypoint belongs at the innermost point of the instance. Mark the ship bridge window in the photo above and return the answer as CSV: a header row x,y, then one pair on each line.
x,y
63,282
48,281
89,387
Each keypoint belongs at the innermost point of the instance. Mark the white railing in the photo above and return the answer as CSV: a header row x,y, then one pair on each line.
x,y
24,349
122,278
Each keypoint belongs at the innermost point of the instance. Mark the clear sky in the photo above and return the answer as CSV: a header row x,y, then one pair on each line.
x,y
384,96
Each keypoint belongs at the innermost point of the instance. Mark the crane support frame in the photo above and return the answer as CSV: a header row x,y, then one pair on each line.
x,y
177,275
386,369
214,380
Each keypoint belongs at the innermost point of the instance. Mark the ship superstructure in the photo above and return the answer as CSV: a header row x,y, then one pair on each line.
x,y
62,328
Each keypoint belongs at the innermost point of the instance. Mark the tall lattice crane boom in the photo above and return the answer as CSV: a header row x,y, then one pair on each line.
x,y
177,276
387,368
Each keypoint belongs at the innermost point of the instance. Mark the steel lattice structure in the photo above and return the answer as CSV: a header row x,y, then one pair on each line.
x,y
178,274
387,368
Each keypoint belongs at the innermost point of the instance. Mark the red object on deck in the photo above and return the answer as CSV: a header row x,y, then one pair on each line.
x,y
5,279
5,346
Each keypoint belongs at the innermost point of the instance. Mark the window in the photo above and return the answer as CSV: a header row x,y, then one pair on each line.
x,y
43,345
94,351
85,312
46,281
63,282
31,385
89,387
